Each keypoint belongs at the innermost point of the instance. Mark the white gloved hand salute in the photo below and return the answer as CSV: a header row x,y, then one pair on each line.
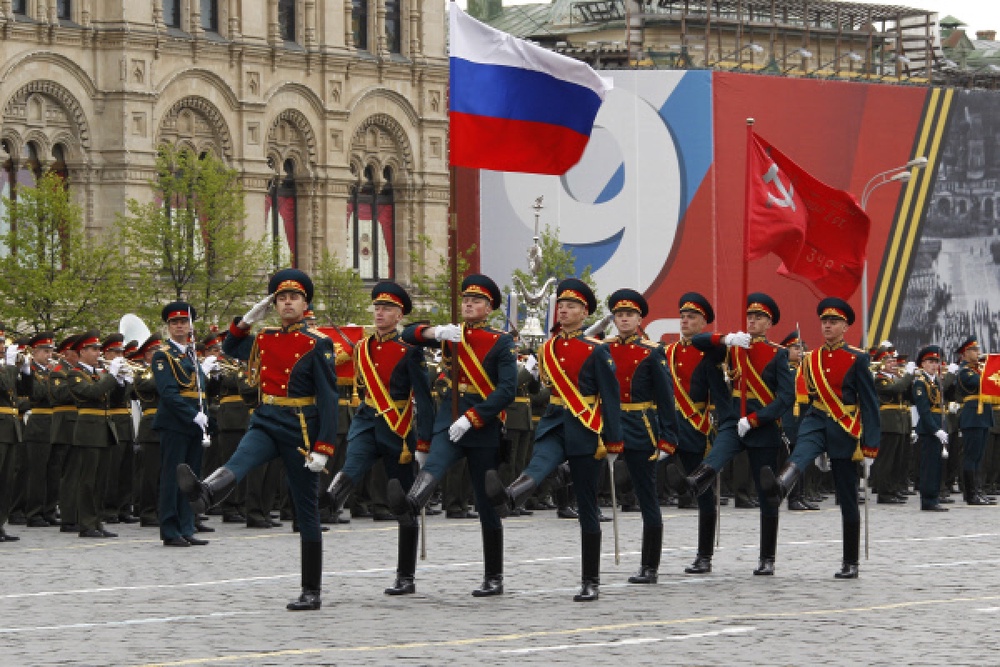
x,y
738,339
448,332
459,428
259,311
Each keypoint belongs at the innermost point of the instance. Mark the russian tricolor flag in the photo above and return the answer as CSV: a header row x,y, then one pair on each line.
x,y
515,106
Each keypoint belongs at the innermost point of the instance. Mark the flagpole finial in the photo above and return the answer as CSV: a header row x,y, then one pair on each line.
x,y
750,121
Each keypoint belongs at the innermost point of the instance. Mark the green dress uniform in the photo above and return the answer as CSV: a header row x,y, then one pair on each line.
x,y
38,445
149,445
63,451
12,383
118,494
889,469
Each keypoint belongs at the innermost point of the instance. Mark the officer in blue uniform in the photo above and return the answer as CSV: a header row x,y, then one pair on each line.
x,y
928,399
974,419
294,368
842,420
181,421
487,384
649,421
699,382
585,406
392,382
762,375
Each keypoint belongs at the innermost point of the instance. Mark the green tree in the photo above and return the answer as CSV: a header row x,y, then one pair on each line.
x,y
188,243
340,295
432,287
52,275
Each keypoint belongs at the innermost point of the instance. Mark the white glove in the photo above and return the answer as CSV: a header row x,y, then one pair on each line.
x,y
660,455
127,374
941,435
910,367
26,366
316,462
115,367
612,457
868,466
27,415
459,428
11,355
449,332
914,437
201,419
210,365
743,426
953,408
738,339
421,457
531,365
258,312
823,462
953,368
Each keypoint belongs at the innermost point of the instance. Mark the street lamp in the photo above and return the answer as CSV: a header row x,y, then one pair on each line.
x,y
805,53
895,175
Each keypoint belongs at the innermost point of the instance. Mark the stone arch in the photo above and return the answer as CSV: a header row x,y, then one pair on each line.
x,y
302,147
381,138
197,121
402,104
215,81
305,92
60,110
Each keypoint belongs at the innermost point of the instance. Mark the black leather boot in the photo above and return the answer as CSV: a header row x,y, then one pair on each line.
x,y
852,548
768,545
406,562
775,489
493,563
407,506
591,549
694,484
203,494
652,546
509,498
339,490
312,578
706,544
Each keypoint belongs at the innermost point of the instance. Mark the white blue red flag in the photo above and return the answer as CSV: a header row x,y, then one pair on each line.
x,y
516,106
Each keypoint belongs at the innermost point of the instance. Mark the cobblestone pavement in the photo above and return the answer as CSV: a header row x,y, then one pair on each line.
x,y
927,596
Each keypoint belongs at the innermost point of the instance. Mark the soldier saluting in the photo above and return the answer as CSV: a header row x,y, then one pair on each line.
x,y
294,367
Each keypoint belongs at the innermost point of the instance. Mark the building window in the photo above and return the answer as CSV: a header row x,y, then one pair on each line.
x,y
359,23
286,19
281,205
19,6
371,227
393,26
210,15
63,8
172,13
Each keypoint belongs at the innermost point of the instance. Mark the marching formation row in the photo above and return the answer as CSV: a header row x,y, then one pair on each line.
x,y
322,400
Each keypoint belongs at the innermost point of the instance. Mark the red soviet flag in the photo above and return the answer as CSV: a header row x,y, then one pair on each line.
x,y
830,255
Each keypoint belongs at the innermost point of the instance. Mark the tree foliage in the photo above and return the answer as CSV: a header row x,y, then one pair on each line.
x,y
188,242
53,275
433,292
340,296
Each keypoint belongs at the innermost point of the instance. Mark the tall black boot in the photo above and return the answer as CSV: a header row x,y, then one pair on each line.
x,y
591,549
203,494
312,578
407,506
694,484
406,561
507,499
852,548
652,546
768,545
706,544
775,489
493,563
340,488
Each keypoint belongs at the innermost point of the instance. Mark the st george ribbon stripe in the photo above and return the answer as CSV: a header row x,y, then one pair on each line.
x,y
485,91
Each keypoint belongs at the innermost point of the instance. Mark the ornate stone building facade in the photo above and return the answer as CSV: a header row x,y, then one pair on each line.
x,y
333,111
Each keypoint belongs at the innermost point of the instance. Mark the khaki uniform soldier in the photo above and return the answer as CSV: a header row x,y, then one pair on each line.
x,y
149,441
894,409
37,435
118,496
63,425
15,379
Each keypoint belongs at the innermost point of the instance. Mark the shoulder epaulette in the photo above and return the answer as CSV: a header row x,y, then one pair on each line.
x,y
316,332
645,342
592,339
268,330
856,350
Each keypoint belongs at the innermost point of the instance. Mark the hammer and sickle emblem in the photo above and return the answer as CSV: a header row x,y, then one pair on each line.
x,y
786,200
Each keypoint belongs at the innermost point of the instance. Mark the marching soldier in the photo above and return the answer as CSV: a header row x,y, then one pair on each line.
x,y
63,426
294,368
38,434
649,422
699,381
94,388
763,381
975,420
842,420
933,439
487,381
15,379
894,409
584,407
149,441
392,384
797,500
181,421
118,496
